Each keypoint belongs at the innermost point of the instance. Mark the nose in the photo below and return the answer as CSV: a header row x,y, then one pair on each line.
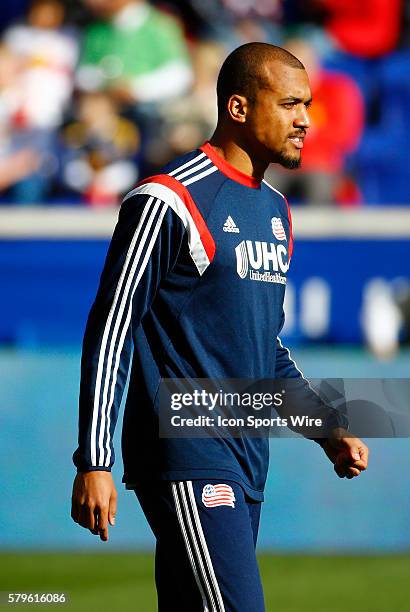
x,y
302,120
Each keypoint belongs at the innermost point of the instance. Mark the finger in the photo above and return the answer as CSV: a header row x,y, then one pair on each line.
x,y
354,453
95,530
339,471
344,471
352,472
360,465
112,509
81,516
91,519
84,515
359,455
103,523
346,460
364,456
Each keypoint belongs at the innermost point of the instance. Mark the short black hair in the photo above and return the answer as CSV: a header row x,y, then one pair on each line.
x,y
241,73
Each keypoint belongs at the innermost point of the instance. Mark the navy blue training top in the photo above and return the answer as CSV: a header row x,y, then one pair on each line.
x,y
194,280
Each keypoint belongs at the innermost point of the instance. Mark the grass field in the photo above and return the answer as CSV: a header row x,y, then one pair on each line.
x,y
124,581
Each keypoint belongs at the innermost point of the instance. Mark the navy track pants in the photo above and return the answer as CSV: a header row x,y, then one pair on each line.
x,y
206,533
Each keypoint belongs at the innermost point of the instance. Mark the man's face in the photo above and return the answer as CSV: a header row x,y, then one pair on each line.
x,y
278,118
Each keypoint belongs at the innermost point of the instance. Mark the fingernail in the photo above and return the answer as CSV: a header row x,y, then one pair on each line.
x,y
356,456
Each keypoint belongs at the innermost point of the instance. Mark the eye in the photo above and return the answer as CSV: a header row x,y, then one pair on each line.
x,y
289,105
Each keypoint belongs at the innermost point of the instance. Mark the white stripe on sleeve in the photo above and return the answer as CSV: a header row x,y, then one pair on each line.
x,y
123,282
191,162
125,326
192,170
200,176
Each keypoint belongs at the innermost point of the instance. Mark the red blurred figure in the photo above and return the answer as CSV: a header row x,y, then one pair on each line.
x,y
370,28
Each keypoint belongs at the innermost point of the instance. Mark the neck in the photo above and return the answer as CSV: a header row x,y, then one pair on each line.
x,y
236,154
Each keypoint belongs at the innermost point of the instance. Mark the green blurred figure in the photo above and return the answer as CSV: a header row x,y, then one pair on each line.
x,y
136,51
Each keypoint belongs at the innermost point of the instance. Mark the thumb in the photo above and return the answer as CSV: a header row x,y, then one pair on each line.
x,y
355,456
347,456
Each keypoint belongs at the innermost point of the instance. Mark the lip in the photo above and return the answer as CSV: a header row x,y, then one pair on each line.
x,y
297,142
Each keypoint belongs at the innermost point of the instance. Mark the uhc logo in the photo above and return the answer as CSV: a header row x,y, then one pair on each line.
x,y
256,260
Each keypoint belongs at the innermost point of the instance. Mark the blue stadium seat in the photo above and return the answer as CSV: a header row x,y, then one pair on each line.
x,y
381,163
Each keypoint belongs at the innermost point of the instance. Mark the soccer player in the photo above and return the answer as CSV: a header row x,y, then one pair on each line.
x,y
195,279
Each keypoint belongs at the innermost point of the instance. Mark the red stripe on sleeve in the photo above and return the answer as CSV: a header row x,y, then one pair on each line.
x,y
204,233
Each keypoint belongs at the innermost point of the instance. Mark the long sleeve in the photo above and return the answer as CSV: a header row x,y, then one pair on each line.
x,y
144,247
285,367
303,400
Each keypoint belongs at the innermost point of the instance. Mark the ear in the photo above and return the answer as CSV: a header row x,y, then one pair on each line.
x,y
238,108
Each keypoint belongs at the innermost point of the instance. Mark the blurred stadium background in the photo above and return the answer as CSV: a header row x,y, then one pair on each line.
x,y
93,95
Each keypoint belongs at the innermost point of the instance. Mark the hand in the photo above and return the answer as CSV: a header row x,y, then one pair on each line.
x,y
348,454
94,502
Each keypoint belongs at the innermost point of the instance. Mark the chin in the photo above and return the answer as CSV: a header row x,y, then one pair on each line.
x,y
291,163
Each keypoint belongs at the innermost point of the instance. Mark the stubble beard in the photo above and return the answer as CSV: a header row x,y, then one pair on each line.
x,y
291,163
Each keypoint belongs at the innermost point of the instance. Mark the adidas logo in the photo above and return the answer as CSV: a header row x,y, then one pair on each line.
x,y
230,226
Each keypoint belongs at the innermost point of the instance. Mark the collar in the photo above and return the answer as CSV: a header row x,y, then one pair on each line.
x,y
227,168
